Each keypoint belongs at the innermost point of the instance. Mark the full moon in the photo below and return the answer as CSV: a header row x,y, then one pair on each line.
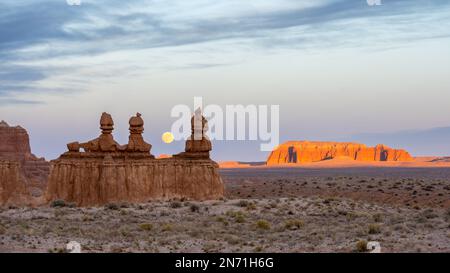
x,y
167,137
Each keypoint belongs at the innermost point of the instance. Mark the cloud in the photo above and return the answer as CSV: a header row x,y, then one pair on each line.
x,y
15,101
38,32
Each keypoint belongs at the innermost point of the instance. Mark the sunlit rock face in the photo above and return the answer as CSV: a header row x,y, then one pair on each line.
x,y
106,172
15,156
298,152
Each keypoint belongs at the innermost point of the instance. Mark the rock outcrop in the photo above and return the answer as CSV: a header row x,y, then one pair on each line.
x,y
31,174
13,190
298,152
198,144
108,172
14,143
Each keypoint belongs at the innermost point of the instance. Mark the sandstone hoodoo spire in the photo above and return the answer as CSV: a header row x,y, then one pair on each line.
x,y
198,144
108,172
298,152
136,142
104,143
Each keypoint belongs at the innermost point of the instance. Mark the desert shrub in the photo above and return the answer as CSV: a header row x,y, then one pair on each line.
x,y
374,229
146,226
263,224
232,213
361,246
239,218
167,227
175,204
294,224
429,214
125,232
2,230
232,239
377,217
258,249
194,208
112,206
242,203
124,205
251,206
222,220
58,203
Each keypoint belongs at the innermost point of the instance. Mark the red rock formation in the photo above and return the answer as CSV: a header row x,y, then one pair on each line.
x,y
198,144
15,153
131,174
312,151
91,181
14,143
13,190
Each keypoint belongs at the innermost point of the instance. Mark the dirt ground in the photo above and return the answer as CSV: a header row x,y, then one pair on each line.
x,y
265,210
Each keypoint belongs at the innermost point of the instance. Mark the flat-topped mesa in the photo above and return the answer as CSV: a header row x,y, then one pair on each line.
x,y
129,173
313,151
198,144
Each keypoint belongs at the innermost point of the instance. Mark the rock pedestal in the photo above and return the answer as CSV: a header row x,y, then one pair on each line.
x,y
197,145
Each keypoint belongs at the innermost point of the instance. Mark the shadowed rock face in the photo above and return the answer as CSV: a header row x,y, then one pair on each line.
x,y
129,173
13,190
305,151
23,174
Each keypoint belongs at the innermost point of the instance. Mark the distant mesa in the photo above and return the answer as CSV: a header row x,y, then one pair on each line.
x,y
232,164
162,156
297,152
23,176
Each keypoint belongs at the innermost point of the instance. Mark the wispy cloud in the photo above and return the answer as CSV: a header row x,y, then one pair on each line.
x,y
46,40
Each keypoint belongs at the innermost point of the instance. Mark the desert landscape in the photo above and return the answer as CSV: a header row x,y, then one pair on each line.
x,y
225,126
264,210
308,200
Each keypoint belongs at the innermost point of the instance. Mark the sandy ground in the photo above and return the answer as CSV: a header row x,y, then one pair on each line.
x,y
265,210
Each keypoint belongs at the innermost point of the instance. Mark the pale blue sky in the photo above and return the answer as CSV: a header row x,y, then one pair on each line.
x,y
335,67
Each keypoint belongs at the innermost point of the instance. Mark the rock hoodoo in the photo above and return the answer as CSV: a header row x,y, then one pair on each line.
x,y
23,176
107,172
311,151
197,145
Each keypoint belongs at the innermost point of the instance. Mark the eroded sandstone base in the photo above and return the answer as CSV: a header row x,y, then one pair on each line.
x,y
89,179
13,190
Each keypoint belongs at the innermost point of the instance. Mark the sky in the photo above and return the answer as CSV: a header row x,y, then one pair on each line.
x,y
335,67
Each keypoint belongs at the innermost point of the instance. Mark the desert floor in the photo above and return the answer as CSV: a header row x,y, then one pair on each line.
x,y
265,210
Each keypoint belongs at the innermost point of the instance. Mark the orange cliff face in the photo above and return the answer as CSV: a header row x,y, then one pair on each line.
x,y
312,151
